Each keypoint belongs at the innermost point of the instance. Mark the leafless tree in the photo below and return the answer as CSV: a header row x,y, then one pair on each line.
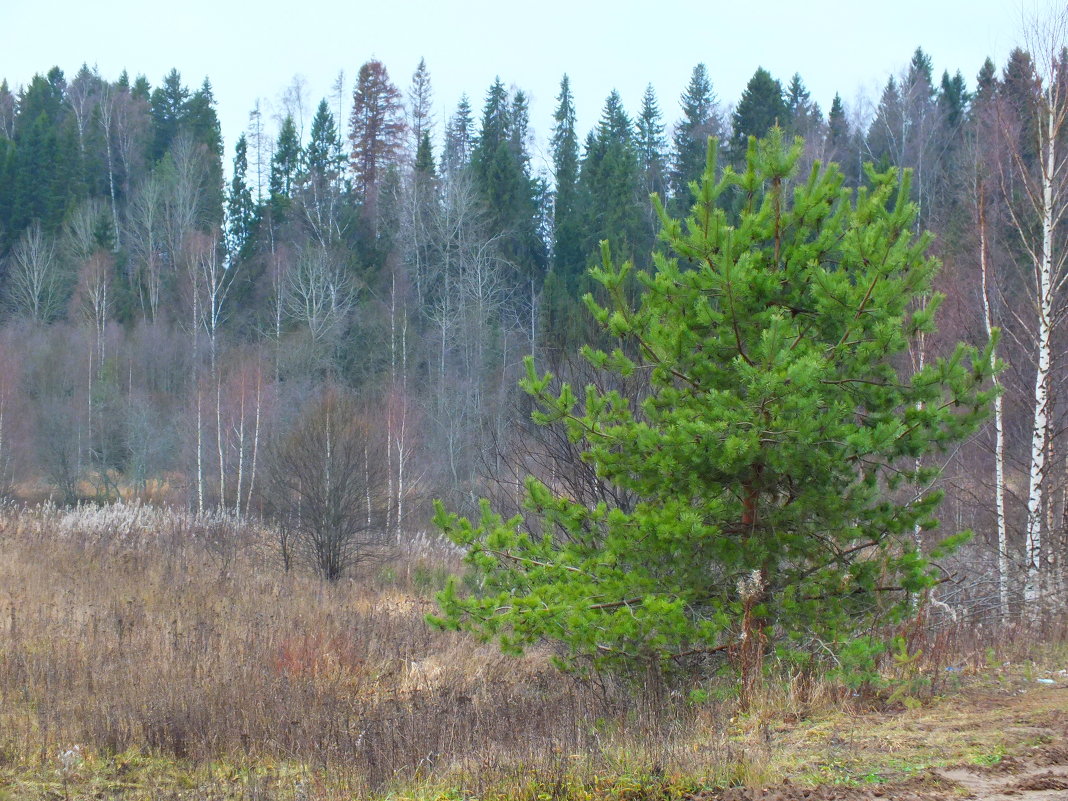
x,y
35,281
293,101
326,489
318,294
145,235
1039,187
106,110
82,97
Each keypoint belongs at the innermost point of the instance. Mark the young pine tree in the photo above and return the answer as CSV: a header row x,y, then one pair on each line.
x,y
771,472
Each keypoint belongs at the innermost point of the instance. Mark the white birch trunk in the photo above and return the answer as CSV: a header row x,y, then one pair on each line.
x,y
220,450
999,426
389,405
1040,424
255,439
401,439
240,451
200,411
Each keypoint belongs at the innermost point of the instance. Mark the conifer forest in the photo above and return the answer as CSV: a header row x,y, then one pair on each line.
x,y
635,423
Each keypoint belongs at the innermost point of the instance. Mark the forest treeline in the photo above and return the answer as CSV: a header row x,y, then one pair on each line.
x,y
194,338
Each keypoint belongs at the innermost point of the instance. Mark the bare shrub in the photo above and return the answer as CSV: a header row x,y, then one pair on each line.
x,y
326,486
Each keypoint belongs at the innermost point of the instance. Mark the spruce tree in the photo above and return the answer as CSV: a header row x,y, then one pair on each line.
x,y
840,140
285,163
420,105
769,479
240,209
322,162
141,89
803,117
200,123
500,166
459,138
650,145
609,183
168,109
921,69
568,258
760,108
700,120
953,99
837,124
987,79
424,159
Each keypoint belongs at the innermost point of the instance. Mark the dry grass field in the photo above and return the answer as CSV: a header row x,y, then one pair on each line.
x,y
146,654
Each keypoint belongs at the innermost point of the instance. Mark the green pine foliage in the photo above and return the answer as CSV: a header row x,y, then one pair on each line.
x,y
769,482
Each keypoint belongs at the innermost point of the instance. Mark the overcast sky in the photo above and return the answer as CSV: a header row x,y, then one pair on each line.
x,y
254,50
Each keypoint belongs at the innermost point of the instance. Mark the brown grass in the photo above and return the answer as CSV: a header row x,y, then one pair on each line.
x,y
176,653
131,630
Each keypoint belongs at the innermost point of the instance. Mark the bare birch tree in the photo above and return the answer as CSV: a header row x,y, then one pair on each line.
x,y
1038,192
35,282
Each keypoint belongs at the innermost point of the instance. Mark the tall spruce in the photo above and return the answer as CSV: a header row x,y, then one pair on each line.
x,y
609,183
650,145
240,208
420,105
953,99
700,121
168,110
285,163
500,164
840,139
568,258
459,138
803,116
760,107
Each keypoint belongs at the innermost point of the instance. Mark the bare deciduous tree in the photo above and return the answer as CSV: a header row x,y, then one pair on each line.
x,y
35,283
318,294
325,488
1039,185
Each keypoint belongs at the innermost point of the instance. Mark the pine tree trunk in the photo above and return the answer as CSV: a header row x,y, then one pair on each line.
x,y
753,589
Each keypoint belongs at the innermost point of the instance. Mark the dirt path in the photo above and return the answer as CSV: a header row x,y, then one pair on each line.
x,y
1005,741
1029,782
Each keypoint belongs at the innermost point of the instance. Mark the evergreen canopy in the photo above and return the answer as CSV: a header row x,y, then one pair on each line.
x,y
775,458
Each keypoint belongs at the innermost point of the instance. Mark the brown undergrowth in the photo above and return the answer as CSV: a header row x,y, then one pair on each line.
x,y
149,654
